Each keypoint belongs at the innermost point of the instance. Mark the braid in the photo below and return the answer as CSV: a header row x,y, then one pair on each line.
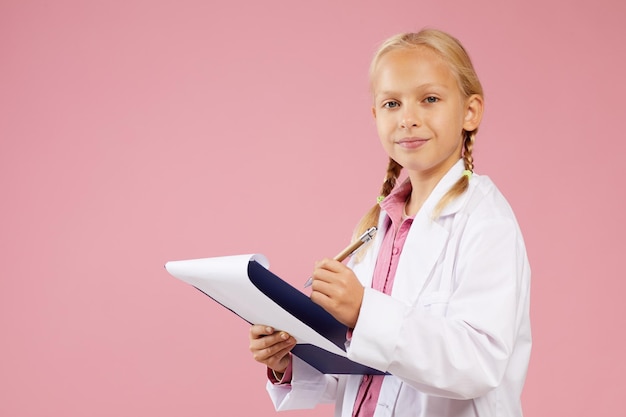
x,y
371,217
468,148
393,171
462,184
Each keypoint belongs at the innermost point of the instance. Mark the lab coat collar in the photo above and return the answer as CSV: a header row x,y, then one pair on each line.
x,y
448,180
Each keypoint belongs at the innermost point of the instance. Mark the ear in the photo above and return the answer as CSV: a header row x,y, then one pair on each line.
x,y
473,112
374,112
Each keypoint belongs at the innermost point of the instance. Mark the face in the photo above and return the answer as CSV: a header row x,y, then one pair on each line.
x,y
420,111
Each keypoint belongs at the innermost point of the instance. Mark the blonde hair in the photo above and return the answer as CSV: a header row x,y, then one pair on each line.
x,y
450,49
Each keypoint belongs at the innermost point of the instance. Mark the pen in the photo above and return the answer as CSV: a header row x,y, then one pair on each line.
x,y
350,250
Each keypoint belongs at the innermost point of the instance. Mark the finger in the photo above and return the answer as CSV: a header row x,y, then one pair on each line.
x,y
265,342
324,274
280,361
257,331
333,283
320,297
280,355
323,286
273,352
329,265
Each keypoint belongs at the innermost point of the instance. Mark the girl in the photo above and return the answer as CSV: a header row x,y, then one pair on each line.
x,y
440,301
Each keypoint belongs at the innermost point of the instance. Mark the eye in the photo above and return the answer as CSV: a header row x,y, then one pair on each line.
x,y
391,104
431,99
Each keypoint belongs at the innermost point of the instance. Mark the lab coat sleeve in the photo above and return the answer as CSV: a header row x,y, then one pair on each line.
x,y
308,388
458,343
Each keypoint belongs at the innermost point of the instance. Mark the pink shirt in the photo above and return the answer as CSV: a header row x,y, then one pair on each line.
x,y
384,273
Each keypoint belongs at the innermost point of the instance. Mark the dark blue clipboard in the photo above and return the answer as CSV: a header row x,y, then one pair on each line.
x,y
300,306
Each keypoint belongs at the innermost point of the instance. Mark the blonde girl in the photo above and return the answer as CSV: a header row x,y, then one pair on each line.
x,y
440,300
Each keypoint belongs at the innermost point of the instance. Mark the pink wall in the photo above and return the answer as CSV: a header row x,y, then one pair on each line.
x,y
136,132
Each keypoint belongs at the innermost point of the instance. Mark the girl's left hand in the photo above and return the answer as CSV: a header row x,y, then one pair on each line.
x,y
337,290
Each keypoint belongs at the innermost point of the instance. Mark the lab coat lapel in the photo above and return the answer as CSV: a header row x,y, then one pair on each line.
x,y
388,397
423,247
426,240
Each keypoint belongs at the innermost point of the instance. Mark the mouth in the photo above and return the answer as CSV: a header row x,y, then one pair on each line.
x,y
411,143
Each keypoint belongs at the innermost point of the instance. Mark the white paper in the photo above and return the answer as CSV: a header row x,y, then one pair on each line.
x,y
226,280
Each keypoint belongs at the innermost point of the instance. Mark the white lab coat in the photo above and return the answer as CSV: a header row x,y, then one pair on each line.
x,y
455,332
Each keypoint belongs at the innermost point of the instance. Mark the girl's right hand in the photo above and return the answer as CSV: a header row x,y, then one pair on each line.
x,y
271,347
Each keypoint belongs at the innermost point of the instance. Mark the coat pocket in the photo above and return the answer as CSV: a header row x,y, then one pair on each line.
x,y
435,303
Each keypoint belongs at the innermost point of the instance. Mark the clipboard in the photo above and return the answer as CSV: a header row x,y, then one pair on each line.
x,y
244,285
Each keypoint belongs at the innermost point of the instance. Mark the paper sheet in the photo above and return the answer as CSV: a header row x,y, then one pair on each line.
x,y
226,280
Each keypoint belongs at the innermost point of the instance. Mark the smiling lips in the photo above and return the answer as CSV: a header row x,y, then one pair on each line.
x,y
411,143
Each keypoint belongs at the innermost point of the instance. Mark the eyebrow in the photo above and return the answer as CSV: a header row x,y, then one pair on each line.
x,y
420,87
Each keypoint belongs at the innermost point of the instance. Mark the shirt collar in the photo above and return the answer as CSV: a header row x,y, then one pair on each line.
x,y
393,204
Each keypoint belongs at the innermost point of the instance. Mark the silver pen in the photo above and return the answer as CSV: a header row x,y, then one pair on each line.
x,y
350,250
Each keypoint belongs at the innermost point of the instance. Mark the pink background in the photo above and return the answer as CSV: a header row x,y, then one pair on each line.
x,y
137,132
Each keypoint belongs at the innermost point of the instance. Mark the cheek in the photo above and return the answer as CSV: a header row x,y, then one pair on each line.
x,y
380,131
383,135
384,127
386,139
449,126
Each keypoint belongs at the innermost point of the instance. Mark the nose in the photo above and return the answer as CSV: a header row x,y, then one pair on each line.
x,y
409,118
408,123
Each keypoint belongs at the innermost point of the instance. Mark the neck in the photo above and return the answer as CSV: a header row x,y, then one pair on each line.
x,y
423,183
421,189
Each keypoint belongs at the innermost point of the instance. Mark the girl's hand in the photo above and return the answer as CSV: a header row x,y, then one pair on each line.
x,y
337,290
271,347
